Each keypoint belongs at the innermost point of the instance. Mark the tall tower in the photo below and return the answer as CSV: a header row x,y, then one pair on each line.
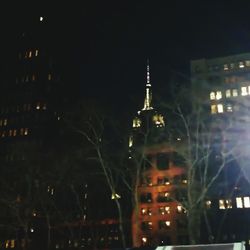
x,y
158,218
148,120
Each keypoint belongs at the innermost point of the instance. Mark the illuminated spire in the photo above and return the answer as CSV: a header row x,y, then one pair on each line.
x,y
148,97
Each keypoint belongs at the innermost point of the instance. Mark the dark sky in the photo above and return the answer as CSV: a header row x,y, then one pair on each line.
x,y
108,42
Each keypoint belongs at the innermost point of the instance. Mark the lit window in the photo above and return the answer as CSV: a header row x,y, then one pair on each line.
x,y
218,95
164,224
247,63
164,210
14,132
36,52
228,93
241,65
244,91
229,107
41,18
158,120
130,141
33,78
225,67
220,108
10,132
136,122
5,121
213,109
144,240
179,209
49,77
26,131
146,211
12,244
225,204
239,202
163,181
208,204
235,92
38,105
30,54
212,96
246,202
146,225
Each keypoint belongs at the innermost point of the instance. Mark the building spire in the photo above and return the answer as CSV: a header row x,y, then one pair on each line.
x,y
148,97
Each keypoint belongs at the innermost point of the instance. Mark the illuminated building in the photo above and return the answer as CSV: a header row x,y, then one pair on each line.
x,y
223,83
158,218
221,86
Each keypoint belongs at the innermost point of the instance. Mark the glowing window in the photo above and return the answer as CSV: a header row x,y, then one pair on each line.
x,y
38,105
220,108
130,141
241,65
228,93
225,67
36,52
146,225
225,204
5,121
144,240
246,202
164,224
212,96
239,203
41,18
218,95
244,91
49,77
10,132
213,109
164,210
12,244
208,204
136,122
146,211
158,120
14,132
229,107
30,54
235,92
179,208
26,131
247,63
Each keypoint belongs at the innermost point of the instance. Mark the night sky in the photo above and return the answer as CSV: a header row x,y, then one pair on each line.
x,y
108,42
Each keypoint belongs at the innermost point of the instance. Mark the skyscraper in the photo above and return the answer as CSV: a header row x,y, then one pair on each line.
x,y
158,217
